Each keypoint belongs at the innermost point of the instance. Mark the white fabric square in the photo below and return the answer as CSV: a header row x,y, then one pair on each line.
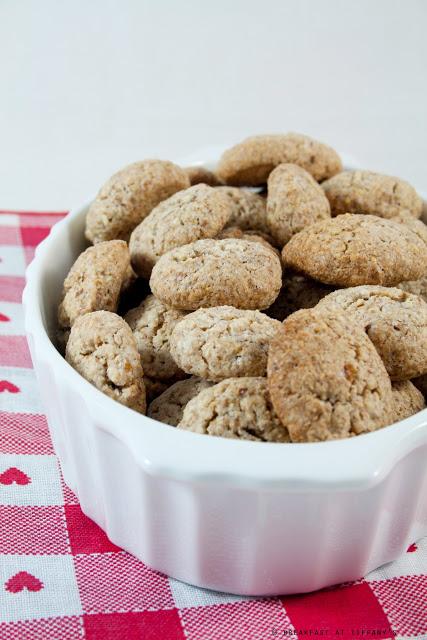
x,y
14,324
54,584
409,564
12,261
185,595
19,392
9,220
43,487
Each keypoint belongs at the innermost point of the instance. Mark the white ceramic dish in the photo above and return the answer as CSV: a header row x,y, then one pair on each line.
x,y
241,517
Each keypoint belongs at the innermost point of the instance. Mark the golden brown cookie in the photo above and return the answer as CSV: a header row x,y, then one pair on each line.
x,y
223,342
354,249
295,200
210,273
326,379
407,400
193,214
417,287
169,406
297,292
94,282
250,162
238,408
247,209
103,350
152,324
373,193
129,196
395,321
250,236
198,175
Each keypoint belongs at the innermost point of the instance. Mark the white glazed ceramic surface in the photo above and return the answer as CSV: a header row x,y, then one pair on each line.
x,y
240,517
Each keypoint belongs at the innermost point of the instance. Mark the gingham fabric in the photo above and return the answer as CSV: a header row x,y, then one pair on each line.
x,y
62,579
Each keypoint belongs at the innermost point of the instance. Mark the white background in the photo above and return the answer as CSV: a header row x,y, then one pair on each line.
x,y
89,85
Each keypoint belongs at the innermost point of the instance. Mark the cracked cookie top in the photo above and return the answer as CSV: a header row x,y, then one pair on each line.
x,y
354,249
210,273
325,377
170,405
238,408
407,400
223,342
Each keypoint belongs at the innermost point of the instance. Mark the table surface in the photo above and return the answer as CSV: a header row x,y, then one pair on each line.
x,y
87,87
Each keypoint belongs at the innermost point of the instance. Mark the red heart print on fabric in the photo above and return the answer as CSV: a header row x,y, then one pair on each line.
x,y
4,318
5,385
412,547
23,580
14,475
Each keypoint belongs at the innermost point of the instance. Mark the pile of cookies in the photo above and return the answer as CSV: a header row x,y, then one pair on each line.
x,y
279,298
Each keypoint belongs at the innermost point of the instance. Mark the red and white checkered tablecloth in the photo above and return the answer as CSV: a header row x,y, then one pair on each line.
x,y
62,579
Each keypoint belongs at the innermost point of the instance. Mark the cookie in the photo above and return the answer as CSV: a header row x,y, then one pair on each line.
x,y
373,193
417,226
407,400
129,196
152,324
355,249
210,273
297,292
295,200
94,282
223,342
103,350
395,321
238,408
326,379
250,236
193,214
250,162
417,287
170,405
248,209
198,175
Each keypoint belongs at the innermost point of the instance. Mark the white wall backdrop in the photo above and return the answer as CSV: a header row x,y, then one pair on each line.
x,y
89,85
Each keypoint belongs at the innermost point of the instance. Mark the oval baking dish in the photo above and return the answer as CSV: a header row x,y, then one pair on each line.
x,y
236,516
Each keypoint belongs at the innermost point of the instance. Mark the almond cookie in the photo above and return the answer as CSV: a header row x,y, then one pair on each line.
x,y
250,236
326,379
238,408
297,292
248,209
103,350
170,405
198,175
374,193
407,400
152,324
210,273
250,162
395,321
128,197
223,342
94,282
193,214
354,249
417,226
295,200
417,287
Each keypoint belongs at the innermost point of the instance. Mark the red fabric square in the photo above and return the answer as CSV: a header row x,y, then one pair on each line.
x,y
32,236
147,625
119,582
61,628
237,621
69,496
348,610
11,288
404,600
14,352
41,219
32,530
85,536
24,433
